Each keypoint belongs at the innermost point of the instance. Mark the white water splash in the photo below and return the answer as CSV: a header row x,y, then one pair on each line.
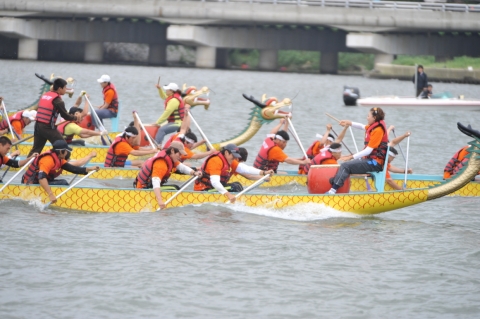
x,y
300,212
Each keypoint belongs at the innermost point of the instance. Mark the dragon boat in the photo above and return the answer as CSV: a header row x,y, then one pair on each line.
x,y
103,199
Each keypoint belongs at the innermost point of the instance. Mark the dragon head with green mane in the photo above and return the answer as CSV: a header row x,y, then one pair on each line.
x,y
268,109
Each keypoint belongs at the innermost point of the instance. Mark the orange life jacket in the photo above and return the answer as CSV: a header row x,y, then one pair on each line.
x,y
46,112
113,106
380,152
112,159
31,176
145,174
179,113
319,158
204,182
171,139
16,117
456,163
61,129
261,161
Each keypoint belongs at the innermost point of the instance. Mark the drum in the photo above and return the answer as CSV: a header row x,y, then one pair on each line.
x,y
319,179
86,123
152,131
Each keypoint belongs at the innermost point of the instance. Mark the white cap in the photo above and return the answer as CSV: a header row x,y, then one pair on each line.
x,y
32,114
171,86
104,78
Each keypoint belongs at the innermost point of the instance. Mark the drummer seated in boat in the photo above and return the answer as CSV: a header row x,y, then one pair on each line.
x,y
218,168
50,164
5,146
271,153
69,129
127,143
156,170
322,142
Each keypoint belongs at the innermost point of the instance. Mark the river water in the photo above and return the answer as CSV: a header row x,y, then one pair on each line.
x,y
214,261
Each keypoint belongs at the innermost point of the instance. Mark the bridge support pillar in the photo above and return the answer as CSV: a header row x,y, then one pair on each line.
x,y
206,57
157,54
94,52
222,59
384,58
268,60
27,49
329,62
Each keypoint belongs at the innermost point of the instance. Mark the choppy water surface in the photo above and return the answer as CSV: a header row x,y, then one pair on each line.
x,y
217,261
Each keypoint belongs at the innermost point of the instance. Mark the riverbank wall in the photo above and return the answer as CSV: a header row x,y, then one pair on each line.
x,y
404,72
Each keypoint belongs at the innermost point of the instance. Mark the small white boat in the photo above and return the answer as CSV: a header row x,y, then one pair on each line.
x,y
438,101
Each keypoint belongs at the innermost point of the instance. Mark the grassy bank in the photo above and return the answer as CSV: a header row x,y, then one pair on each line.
x,y
462,62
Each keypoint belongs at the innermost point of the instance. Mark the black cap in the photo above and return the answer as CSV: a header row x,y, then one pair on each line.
x,y
232,148
74,110
61,145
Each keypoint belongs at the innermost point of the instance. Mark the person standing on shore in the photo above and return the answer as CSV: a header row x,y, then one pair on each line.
x,y
422,80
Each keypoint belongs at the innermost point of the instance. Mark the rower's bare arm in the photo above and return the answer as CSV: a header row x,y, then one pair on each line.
x,y
399,170
296,161
44,184
84,133
342,134
278,126
398,139
83,161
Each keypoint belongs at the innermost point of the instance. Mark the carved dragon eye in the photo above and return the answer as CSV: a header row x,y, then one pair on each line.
x,y
192,92
273,103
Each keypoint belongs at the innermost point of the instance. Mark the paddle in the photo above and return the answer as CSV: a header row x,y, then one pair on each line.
x,y
400,146
69,188
191,180
200,130
70,183
23,140
349,128
257,183
295,136
97,119
8,121
152,144
19,171
406,164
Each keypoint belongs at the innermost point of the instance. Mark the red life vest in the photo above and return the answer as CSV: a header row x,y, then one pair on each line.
x,y
145,174
455,163
16,117
318,160
1,160
224,175
261,161
172,138
113,106
46,112
301,167
179,113
381,151
61,129
112,159
31,176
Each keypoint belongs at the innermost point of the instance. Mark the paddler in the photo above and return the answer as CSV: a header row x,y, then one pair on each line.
x,y
49,107
174,110
371,158
71,128
127,143
327,156
456,163
218,168
322,142
18,121
50,164
156,170
391,156
271,153
5,146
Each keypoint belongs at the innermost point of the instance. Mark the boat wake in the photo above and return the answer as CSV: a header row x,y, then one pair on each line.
x,y
300,212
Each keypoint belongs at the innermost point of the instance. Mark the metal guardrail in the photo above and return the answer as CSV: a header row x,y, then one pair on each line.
x,y
428,6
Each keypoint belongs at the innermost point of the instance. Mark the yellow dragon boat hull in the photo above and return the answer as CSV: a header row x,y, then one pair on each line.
x,y
101,200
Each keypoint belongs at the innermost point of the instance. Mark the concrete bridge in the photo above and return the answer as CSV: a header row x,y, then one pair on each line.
x,y
328,26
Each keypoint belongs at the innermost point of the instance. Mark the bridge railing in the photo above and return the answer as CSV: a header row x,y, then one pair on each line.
x,y
427,6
